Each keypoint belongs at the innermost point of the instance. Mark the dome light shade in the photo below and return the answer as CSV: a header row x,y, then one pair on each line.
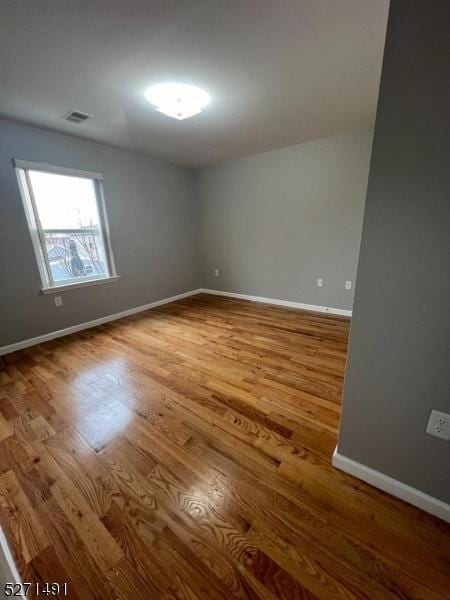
x,y
177,100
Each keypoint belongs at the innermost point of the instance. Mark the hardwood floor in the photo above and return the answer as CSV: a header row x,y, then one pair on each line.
x,y
185,453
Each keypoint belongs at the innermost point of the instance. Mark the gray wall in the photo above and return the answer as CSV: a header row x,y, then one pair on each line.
x,y
271,223
274,223
152,215
399,360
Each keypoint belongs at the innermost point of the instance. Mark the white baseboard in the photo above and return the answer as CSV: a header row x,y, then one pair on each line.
x,y
392,486
288,303
74,328
125,313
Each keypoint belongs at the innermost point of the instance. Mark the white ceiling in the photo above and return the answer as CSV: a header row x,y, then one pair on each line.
x,y
280,72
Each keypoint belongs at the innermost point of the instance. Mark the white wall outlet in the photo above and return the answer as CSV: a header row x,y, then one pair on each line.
x,y
439,425
216,272
58,301
348,285
320,282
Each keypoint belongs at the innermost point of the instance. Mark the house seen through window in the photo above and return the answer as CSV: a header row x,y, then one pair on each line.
x,y
67,224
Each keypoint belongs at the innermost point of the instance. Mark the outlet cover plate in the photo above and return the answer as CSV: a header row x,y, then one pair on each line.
x,y
439,425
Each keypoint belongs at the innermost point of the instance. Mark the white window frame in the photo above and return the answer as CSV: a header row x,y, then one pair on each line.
x,y
22,168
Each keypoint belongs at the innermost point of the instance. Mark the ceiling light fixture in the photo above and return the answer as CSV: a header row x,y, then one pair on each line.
x,y
177,100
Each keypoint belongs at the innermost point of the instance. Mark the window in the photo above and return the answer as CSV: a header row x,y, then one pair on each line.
x,y
67,220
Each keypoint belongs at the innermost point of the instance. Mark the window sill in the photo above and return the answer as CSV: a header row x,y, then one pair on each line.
x,y
79,284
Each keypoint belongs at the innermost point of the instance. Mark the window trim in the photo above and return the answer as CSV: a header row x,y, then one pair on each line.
x,y
57,169
36,231
78,284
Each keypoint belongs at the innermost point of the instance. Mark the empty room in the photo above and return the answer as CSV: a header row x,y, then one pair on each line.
x,y
224,299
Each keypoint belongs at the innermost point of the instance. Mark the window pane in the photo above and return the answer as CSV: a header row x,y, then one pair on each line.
x,y
68,214
75,255
64,202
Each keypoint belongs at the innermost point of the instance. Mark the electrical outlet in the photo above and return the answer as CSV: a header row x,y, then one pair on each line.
x,y
439,425
320,282
216,272
348,285
58,301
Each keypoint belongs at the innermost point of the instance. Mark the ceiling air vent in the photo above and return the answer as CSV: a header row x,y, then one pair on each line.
x,y
76,116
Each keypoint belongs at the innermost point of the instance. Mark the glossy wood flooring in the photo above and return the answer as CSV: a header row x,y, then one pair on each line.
x,y
185,453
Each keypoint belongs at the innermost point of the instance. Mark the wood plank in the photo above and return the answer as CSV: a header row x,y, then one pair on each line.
x,y
19,519
99,542
185,452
